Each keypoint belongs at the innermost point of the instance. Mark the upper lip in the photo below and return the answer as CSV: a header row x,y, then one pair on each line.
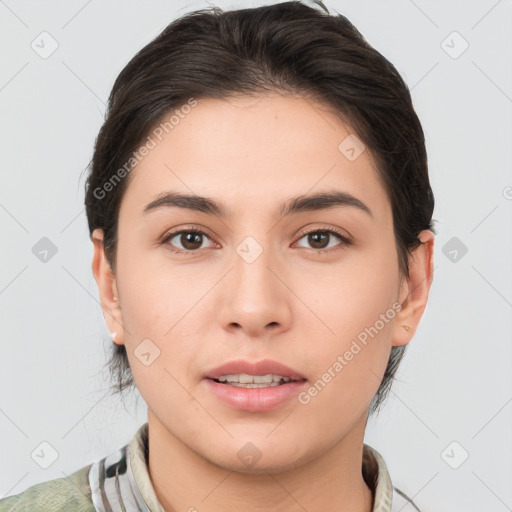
x,y
263,367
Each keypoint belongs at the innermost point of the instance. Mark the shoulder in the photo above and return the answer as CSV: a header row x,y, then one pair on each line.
x,y
387,497
59,495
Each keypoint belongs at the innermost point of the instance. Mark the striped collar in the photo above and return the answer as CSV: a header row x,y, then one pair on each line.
x,y
120,482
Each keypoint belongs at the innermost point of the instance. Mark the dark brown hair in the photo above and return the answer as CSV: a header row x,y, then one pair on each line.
x,y
289,48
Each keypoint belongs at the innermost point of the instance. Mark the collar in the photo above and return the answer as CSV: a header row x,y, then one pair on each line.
x,y
121,482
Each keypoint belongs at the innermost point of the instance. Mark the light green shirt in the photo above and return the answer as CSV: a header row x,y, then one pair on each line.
x,y
120,482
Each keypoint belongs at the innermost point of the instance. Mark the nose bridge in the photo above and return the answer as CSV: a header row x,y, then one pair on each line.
x,y
255,298
252,262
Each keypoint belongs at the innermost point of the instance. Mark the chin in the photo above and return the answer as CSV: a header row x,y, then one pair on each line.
x,y
252,461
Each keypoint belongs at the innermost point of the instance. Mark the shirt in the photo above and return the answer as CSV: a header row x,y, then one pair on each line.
x,y
120,482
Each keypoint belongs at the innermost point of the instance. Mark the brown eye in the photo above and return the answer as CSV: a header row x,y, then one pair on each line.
x,y
186,240
321,239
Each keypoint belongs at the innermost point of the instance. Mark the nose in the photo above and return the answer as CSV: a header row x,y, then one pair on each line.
x,y
255,298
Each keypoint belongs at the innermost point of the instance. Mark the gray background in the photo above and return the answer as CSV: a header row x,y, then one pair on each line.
x,y
455,382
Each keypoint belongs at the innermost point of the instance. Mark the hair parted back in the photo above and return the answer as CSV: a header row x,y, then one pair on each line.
x,y
289,48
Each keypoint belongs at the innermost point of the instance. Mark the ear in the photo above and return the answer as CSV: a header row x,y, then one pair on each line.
x,y
107,288
414,290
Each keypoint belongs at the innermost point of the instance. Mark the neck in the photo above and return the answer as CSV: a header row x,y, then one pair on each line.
x,y
184,480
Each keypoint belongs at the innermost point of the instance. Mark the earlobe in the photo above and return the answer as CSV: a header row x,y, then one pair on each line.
x,y
414,290
107,289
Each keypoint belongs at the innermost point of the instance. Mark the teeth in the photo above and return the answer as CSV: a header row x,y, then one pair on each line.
x,y
265,385
243,378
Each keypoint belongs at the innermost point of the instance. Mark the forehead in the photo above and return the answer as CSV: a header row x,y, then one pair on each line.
x,y
258,149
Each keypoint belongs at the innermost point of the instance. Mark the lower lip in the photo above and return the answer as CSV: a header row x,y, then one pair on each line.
x,y
255,399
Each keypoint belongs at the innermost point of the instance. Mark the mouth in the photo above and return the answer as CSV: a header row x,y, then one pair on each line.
x,y
265,371
244,380
254,386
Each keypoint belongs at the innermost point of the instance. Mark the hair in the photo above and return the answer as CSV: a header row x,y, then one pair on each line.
x,y
289,48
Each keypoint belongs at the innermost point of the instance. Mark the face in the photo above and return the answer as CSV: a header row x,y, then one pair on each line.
x,y
198,289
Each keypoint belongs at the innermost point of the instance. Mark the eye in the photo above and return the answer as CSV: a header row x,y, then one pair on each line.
x,y
191,240
320,240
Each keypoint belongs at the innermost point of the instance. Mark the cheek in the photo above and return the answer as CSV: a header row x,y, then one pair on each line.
x,y
161,350
356,310
352,295
348,371
155,295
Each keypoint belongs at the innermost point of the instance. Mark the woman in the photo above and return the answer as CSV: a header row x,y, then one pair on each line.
x,y
261,214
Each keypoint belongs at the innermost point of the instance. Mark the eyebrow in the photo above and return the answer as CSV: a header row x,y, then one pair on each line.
x,y
304,203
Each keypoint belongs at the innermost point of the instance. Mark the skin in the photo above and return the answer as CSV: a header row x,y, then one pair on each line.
x,y
292,304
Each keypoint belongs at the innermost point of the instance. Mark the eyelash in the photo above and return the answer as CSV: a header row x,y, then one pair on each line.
x,y
344,240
